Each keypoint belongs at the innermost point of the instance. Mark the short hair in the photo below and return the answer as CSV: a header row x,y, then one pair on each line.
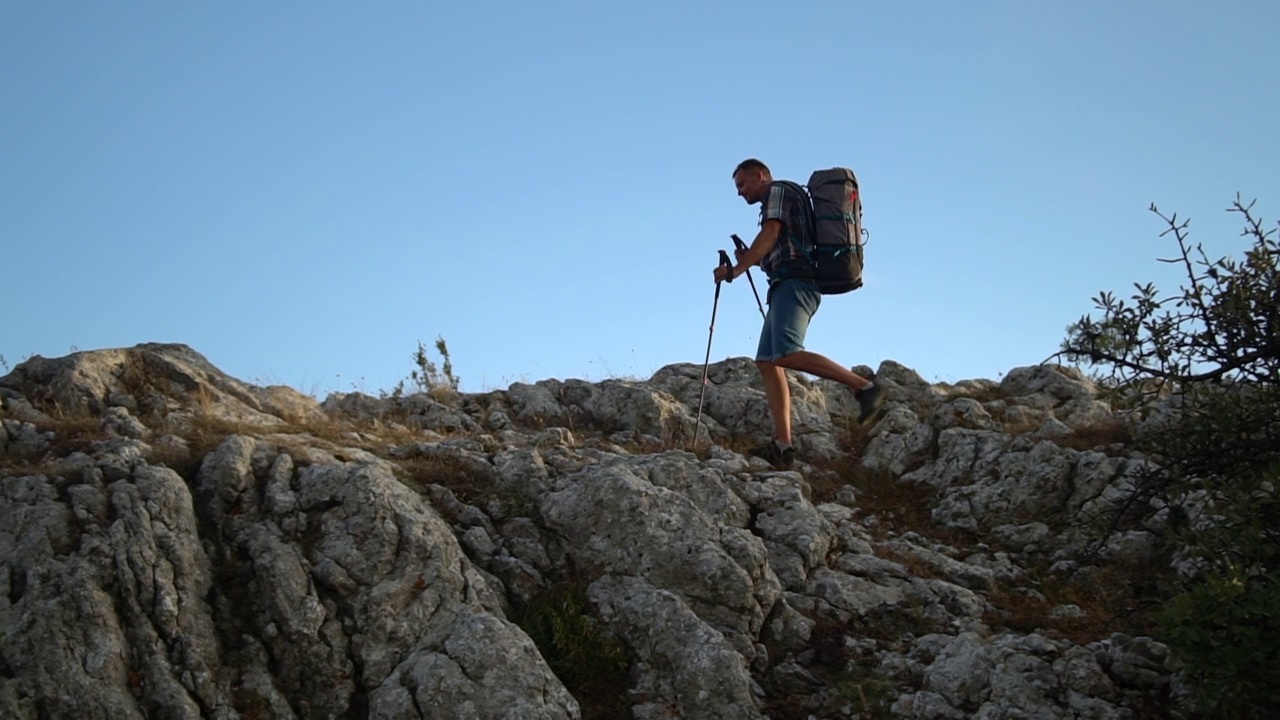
x,y
751,164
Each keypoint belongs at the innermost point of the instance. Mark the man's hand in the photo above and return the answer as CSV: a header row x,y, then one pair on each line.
x,y
748,256
724,272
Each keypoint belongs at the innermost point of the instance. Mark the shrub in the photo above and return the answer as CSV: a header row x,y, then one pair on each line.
x,y
1225,627
1203,366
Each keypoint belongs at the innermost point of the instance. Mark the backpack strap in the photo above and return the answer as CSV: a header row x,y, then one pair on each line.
x,y
804,244
807,209
858,241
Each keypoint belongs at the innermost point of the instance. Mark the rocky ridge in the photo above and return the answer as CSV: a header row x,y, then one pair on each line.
x,y
176,543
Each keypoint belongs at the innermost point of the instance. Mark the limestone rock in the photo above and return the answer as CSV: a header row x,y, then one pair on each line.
x,y
1010,676
699,551
292,571
696,671
157,380
348,581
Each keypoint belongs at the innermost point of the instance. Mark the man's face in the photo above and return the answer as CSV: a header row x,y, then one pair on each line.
x,y
750,184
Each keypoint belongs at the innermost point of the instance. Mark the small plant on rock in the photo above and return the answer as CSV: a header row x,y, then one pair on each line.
x,y
427,377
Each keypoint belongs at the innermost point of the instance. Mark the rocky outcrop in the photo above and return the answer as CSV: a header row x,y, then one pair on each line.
x,y
1030,676
270,585
156,380
175,543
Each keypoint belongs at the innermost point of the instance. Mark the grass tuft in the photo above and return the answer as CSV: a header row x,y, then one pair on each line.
x,y
1117,597
1108,432
590,661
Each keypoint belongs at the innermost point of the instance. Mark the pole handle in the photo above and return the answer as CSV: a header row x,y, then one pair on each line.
x,y
737,241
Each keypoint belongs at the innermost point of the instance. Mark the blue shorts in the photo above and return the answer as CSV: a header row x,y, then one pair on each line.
x,y
792,306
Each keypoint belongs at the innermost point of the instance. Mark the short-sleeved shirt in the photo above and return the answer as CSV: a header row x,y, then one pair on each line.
x,y
789,257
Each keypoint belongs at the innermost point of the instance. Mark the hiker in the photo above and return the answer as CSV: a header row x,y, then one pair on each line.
x,y
793,298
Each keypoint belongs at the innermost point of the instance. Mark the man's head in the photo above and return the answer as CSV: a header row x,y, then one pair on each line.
x,y
752,179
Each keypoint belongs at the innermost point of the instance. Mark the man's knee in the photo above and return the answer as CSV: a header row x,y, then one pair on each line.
x,y
786,361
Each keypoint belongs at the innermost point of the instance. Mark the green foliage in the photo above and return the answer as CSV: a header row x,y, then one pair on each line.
x,y
1226,629
1221,326
1209,357
590,661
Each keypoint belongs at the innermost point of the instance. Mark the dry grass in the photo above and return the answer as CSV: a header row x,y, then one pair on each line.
x,y
450,472
203,430
202,427
203,433
469,481
72,432
852,675
1109,597
1110,432
1113,598
740,443
899,507
736,442
980,392
915,563
1020,427
853,440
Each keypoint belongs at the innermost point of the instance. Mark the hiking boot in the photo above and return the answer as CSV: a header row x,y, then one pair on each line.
x,y
869,401
781,459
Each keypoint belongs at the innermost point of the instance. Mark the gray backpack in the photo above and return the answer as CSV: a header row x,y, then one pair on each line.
x,y
836,215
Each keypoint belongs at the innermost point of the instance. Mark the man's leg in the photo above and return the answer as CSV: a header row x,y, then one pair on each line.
x,y
790,308
779,396
870,396
822,366
776,339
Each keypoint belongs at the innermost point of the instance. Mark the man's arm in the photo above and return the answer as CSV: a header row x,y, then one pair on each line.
x,y
759,247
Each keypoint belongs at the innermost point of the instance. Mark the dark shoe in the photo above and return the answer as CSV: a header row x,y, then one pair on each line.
x,y
869,401
781,459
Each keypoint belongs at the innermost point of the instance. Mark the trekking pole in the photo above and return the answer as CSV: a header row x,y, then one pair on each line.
x,y
724,262
743,246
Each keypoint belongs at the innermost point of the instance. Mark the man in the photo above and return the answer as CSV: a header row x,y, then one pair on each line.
x,y
779,248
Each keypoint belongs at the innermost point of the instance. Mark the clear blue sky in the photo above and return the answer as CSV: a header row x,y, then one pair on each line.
x,y
304,190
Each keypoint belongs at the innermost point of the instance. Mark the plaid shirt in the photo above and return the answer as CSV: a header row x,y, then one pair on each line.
x,y
789,256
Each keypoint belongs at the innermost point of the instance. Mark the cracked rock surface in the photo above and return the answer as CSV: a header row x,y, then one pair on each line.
x,y
175,543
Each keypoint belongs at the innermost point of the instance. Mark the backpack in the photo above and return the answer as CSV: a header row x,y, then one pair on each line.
x,y
834,206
